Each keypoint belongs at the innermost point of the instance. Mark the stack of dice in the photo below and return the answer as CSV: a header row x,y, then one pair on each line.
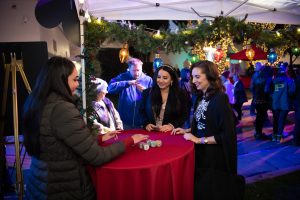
x,y
150,143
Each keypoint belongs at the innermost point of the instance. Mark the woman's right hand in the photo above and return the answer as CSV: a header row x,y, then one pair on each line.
x,y
110,135
150,127
139,137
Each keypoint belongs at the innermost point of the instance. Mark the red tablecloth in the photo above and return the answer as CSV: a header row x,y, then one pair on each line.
x,y
165,172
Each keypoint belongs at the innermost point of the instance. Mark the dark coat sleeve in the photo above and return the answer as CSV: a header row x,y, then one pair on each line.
x,y
239,93
69,127
220,124
177,115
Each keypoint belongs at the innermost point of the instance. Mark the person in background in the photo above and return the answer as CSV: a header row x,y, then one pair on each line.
x,y
261,102
229,90
130,86
184,82
283,88
164,106
212,131
58,140
239,95
107,118
185,85
228,86
258,67
297,110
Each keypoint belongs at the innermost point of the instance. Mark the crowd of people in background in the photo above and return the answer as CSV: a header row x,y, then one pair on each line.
x,y
277,90
197,102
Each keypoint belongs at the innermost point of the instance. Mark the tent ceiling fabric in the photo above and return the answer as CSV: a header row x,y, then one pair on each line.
x,y
270,11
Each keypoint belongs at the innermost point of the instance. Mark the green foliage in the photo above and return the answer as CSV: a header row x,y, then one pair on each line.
x,y
144,41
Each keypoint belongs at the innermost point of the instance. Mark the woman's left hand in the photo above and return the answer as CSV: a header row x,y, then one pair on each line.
x,y
110,135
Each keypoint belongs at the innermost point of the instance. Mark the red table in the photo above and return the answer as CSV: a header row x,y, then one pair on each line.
x,y
165,172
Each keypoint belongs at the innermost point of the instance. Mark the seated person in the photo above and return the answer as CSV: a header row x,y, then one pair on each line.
x,y
164,106
107,118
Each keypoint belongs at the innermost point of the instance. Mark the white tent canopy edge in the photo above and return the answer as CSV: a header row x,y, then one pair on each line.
x,y
271,11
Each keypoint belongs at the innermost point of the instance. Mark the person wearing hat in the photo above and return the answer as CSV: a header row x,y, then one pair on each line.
x,y
107,118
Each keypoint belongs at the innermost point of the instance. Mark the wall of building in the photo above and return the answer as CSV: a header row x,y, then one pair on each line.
x,y
18,24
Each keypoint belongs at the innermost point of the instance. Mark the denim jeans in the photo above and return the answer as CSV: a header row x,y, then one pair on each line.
x,y
279,119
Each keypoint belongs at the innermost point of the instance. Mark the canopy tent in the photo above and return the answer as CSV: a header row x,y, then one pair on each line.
x,y
259,54
271,11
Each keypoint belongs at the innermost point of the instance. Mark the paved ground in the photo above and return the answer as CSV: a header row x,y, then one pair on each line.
x,y
262,159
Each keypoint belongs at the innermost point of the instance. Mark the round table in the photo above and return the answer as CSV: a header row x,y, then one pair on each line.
x,y
165,172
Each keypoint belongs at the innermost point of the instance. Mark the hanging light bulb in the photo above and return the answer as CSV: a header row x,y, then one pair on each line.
x,y
250,52
157,62
272,56
124,53
209,53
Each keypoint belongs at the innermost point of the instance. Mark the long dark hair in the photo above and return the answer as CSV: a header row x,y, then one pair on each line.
x,y
174,90
212,74
53,77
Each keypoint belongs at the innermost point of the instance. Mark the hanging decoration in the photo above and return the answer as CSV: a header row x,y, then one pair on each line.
x,y
296,51
210,51
250,52
157,62
193,55
124,53
272,56
194,58
218,54
147,40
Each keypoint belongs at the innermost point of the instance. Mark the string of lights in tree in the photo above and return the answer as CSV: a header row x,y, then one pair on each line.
x,y
146,41
222,31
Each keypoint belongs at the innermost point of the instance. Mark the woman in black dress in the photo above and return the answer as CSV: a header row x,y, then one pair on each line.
x,y
212,131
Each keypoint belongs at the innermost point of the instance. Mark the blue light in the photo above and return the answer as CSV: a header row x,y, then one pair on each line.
x,y
157,62
272,57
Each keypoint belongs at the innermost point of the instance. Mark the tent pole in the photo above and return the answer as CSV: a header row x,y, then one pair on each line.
x,y
82,66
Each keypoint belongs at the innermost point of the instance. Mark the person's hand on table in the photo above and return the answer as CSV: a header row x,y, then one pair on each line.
x,y
150,127
180,131
166,128
139,137
110,135
191,137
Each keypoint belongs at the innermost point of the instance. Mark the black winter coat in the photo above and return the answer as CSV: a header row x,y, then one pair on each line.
x,y
66,147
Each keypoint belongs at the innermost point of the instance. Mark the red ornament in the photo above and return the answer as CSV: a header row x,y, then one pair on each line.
x,y
218,55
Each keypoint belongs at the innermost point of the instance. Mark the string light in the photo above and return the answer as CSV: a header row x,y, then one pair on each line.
x,y
249,52
124,53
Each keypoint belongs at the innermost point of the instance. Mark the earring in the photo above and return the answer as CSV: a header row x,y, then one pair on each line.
x,y
171,83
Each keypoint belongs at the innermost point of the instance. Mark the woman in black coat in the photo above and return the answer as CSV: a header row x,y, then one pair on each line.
x,y
58,139
164,106
213,132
